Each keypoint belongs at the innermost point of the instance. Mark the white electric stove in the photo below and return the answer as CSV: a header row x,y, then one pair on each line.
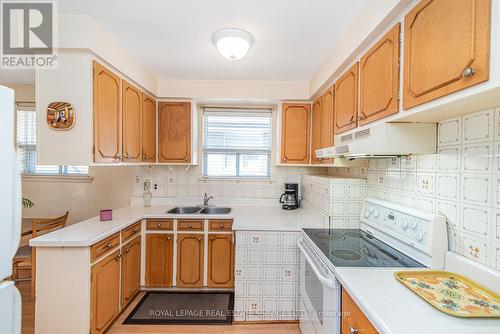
x,y
390,236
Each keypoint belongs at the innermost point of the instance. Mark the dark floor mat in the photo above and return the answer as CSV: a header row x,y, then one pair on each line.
x,y
183,308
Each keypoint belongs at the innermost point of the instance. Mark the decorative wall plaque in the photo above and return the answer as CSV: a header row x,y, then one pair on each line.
x,y
61,115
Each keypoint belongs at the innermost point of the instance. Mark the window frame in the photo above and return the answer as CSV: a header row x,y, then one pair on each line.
x,y
62,169
242,111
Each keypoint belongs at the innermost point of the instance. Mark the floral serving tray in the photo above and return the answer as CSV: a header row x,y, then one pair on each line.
x,y
452,293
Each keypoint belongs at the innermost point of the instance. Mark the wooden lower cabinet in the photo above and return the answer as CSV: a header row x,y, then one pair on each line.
x,y
159,260
131,270
190,260
353,319
105,292
220,261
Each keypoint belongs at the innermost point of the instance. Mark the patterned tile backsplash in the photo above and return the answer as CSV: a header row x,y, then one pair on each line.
x,y
175,181
461,181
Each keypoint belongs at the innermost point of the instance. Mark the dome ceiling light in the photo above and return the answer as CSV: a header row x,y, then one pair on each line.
x,y
232,43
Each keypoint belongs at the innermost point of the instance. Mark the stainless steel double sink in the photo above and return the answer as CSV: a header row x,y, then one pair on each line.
x,y
192,210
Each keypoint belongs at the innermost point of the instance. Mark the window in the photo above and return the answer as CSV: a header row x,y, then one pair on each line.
x,y
26,146
237,144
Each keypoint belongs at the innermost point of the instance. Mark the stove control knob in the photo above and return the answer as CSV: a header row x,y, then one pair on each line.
x,y
404,224
419,236
413,224
376,213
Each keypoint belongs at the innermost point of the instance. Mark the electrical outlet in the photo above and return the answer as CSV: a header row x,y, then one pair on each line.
x,y
137,179
155,186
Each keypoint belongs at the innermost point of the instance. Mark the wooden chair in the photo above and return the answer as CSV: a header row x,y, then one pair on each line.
x,y
25,257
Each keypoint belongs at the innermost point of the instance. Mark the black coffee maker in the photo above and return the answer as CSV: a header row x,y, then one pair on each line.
x,y
290,198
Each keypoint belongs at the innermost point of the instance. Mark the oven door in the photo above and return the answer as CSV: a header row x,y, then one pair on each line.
x,y
320,294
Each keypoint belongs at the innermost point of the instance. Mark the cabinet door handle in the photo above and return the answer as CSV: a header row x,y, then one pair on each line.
x,y
211,238
168,238
353,330
187,159
351,120
468,72
221,225
199,239
190,225
159,225
360,118
109,245
118,257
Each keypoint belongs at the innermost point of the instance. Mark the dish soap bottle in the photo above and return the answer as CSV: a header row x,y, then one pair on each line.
x,y
147,193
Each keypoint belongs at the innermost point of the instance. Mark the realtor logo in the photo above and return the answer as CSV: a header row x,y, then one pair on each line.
x,y
28,31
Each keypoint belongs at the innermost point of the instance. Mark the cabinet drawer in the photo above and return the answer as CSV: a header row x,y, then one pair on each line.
x,y
104,246
159,224
220,225
190,225
353,319
131,231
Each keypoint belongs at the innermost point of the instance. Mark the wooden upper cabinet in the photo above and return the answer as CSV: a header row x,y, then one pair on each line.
x,y
296,122
220,261
190,260
105,292
148,128
131,270
159,260
446,48
132,123
327,117
346,101
379,79
316,130
174,132
107,115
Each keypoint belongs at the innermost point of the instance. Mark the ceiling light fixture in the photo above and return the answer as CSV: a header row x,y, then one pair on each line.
x,y
232,44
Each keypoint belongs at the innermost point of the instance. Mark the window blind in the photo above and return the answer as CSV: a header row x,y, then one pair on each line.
x,y
26,146
237,144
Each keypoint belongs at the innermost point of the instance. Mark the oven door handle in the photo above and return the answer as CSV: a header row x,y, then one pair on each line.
x,y
328,282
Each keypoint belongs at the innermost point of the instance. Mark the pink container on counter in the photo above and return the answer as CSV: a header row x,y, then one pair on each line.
x,y
106,215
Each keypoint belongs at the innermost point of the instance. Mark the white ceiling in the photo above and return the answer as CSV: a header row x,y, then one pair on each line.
x,y
173,37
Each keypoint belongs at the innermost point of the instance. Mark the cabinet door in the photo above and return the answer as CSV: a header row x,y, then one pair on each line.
x,y
190,260
131,270
316,130
327,116
174,132
379,79
132,123
353,319
107,115
446,48
105,292
346,101
148,128
220,261
159,260
296,120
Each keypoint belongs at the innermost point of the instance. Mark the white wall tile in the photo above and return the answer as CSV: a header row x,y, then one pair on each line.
x,y
271,289
289,256
394,164
272,240
450,132
477,158
449,159
425,203
476,189
476,220
288,240
496,256
448,186
253,309
476,249
288,309
478,127
255,239
496,226
270,309
409,163
239,306
426,163
426,184
254,272
254,256
408,181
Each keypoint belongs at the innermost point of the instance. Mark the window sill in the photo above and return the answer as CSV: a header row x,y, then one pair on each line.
x,y
57,178
235,179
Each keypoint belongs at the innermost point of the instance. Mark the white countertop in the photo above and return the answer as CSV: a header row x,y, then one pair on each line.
x,y
261,218
394,309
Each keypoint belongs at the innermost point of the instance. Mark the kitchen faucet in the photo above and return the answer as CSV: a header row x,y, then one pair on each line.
x,y
206,198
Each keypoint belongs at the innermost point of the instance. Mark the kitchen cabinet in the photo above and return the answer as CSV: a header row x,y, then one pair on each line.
x,y
132,123
105,292
295,129
327,117
159,260
346,101
190,260
148,128
446,48
107,115
379,79
131,270
353,319
315,130
174,132
220,261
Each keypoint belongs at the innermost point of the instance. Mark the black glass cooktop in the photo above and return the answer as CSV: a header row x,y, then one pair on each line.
x,y
356,248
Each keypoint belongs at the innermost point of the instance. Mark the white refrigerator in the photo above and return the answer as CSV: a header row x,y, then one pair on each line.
x,y
10,215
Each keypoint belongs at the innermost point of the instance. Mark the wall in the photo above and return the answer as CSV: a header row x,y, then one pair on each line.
x,y
461,181
174,181
83,200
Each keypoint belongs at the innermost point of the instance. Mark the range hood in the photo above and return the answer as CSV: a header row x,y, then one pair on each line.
x,y
384,141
